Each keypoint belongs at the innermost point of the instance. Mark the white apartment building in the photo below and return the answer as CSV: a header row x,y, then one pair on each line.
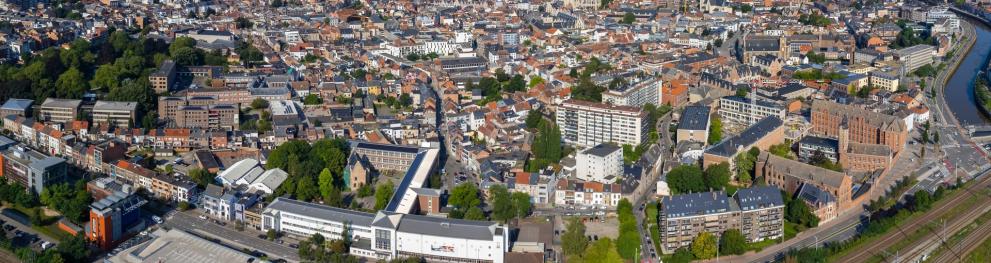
x,y
884,80
638,94
587,124
59,110
114,113
740,110
384,235
602,163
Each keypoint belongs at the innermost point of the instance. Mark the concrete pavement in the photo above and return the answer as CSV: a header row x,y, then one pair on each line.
x,y
190,222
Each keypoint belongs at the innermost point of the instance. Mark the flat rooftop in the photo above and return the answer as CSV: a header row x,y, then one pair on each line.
x,y
176,246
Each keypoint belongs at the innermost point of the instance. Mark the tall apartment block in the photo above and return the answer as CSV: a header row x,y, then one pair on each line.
x,y
59,110
587,124
636,94
758,213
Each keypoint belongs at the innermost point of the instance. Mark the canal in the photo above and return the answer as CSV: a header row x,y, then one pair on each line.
x,y
959,91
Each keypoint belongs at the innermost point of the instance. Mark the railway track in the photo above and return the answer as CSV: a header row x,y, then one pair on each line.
x,y
864,254
959,251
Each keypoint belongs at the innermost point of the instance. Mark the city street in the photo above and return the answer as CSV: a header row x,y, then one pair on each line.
x,y
190,222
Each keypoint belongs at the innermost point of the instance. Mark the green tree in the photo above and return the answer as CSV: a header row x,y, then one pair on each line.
x,y
602,250
732,242
682,255
715,130
181,42
502,205
201,177
71,84
187,56
306,188
799,213
742,92
326,181
815,58
383,194
271,234
535,80
629,18
259,103
521,203
921,201
515,84
717,176
686,179
475,213
105,77
573,241
464,196
73,249
312,99
781,149
533,118
704,246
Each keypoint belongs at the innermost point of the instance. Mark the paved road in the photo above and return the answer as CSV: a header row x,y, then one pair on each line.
x,y
190,222
647,186
21,224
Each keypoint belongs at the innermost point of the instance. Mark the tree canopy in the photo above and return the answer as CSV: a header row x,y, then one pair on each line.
x,y
686,179
704,246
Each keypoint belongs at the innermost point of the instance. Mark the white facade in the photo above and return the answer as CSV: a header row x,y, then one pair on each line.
x,y
740,110
588,124
638,95
387,236
602,163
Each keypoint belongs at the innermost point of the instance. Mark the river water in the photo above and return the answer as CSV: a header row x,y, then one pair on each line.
x,y
960,88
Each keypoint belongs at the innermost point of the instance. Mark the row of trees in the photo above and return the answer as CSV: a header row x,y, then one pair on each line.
x,y
629,237
691,178
546,145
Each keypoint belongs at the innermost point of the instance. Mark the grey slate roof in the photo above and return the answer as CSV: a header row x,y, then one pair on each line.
x,y
446,227
759,197
602,150
694,118
696,204
746,138
17,104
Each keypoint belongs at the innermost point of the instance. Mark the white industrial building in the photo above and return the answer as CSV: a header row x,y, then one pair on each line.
x,y
386,235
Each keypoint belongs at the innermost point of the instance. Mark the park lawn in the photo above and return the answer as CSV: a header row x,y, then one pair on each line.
x,y
763,244
52,230
791,229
